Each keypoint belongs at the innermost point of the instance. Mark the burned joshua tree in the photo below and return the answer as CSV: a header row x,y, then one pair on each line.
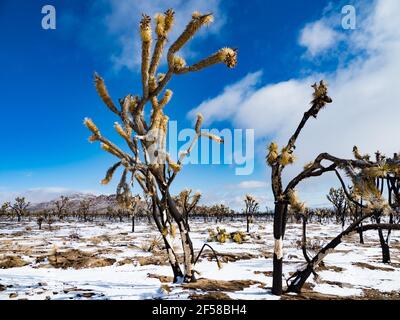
x,y
5,209
84,209
187,202
251,209
338,198
61,207
20,207
148,162
359,170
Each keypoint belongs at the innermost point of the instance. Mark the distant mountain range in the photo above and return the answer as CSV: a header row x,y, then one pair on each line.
x,y
99,203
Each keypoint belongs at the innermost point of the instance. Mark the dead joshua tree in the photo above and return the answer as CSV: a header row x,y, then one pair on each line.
x,y
357,170
61,207
251,209
148,163
39,221
187,202
390,180
5,209
148,207
19,208
110,212
84,209
338,198
135,203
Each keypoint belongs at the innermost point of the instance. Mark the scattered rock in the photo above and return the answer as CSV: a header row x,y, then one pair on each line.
x,y
13,295
2,287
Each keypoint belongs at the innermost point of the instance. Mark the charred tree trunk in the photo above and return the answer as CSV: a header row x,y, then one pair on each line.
x,y
133,223
187,245
278,254
384,244
361,236
187,220
172,258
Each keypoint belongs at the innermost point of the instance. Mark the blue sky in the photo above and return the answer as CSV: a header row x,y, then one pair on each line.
x,y
47,86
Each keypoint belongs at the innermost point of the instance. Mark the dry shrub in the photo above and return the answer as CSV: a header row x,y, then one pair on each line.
x,y
220,235
152,245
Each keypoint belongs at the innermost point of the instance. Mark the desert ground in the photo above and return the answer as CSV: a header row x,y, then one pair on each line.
x,y
105,260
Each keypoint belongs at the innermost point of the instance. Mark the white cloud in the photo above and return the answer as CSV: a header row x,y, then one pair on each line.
x,y
364,111
224,106
252,184
123,22
318,37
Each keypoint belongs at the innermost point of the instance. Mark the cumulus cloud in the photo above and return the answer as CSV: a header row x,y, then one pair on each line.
x,y
364,111
318,37
224,106
124,17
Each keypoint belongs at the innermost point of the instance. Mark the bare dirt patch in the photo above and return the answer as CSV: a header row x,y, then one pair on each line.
x,y
210,296
323,267
77,259
265,273
12,262
158,260
372,294
163,279
337,283
371,267
221,285
230,257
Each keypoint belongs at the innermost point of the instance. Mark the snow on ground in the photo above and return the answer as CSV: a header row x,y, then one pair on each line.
x,y
348,271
